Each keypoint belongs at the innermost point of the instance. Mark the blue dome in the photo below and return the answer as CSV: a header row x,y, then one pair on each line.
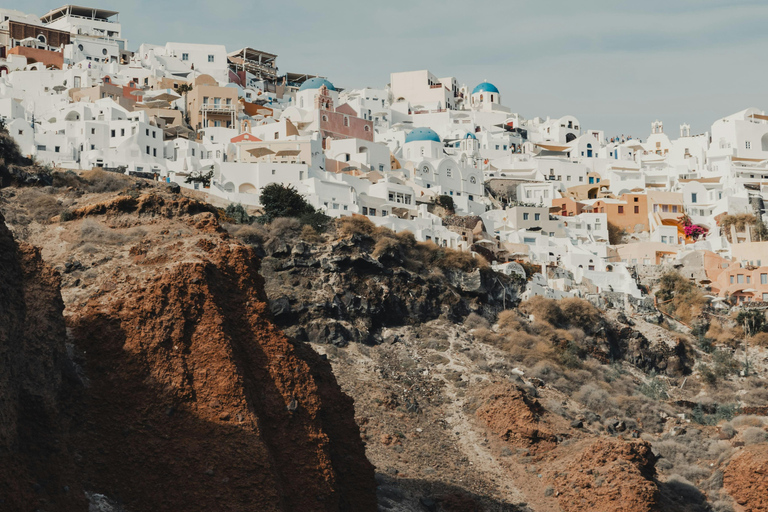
x,y
470,136
418,134
316,83
485,87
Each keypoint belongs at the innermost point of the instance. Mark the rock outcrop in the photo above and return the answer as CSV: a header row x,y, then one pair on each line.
x,y
339,292
35,465
176,390
746,478
610,475
516,418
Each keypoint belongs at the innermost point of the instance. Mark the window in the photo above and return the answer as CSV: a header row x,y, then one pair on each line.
x,y
693,197
154,151
749,279
637,209
367,128
112,133
525,216
147,149
581,178
154,134
663,239
537,216
273,172
665,208
674,208
740,279
147,131
621,209
122,132
763,278
93,131
748,145
57,149
346,121
277,135
731,279
210,58
184,56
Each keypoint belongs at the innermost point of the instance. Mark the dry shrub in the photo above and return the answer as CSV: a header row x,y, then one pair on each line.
x,y
284,228
94,232
40,206
386,247
680,297
543,310
593,397
580,313
747,420
566,313
546,371
104,181
756,397
754,435
253,234
475,321
509,320
355,225
309,234
760,339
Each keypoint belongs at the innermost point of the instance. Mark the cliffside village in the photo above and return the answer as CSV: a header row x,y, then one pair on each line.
x,y
592,209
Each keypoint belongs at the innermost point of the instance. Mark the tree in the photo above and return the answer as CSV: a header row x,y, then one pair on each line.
x,y
446,202
184,89
238,213
753,321
200,177
280,200
615,234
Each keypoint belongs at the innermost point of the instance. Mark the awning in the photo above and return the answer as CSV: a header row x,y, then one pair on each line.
x,y
288,152
259,152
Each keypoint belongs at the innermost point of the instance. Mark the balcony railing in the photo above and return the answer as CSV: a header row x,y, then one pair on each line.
x,y
217,108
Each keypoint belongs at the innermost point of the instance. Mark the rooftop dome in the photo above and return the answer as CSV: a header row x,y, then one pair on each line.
x,y
485,87
470,136
316,83
418,134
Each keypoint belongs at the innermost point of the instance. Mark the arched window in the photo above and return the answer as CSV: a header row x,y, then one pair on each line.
x,y
346,121
367,128
481,97
325,118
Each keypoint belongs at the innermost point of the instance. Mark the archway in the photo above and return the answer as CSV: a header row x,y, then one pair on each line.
x,y
569,137
247,188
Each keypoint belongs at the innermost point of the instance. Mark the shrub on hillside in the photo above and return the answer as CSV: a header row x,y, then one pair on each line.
x,y
279,200
679,297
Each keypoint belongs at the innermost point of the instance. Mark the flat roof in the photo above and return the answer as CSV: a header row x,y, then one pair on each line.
x,y
251,54
77,10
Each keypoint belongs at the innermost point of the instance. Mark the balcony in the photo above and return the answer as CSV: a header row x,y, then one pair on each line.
x,y
218,108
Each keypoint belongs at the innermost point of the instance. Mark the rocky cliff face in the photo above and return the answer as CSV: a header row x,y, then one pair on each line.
x,y
35,465
184,394
341,291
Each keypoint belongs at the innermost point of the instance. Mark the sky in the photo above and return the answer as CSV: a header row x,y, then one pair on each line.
x,y
617,66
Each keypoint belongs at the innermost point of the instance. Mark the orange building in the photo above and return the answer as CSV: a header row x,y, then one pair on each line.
x,y
630,212
567,207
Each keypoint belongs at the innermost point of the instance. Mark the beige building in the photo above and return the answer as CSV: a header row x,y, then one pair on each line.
x,y
209,105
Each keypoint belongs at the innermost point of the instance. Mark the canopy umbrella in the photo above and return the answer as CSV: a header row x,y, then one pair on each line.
x,y
259,152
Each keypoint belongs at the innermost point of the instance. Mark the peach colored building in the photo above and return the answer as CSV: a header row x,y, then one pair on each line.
x,y
649,253
567,207
208,104
743,283
630,212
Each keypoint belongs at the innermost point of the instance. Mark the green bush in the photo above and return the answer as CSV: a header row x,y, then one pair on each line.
x,y
279,200
238,214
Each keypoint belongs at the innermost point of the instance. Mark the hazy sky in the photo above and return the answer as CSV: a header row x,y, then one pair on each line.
x,y
616,66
